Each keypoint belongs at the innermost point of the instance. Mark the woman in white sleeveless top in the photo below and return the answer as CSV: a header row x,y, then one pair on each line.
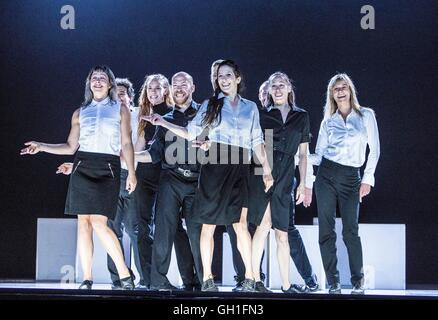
x,y
100,129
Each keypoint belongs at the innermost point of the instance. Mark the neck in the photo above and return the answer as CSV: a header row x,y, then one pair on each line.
x,y
183,107
98,99
232,96
344,108
281,106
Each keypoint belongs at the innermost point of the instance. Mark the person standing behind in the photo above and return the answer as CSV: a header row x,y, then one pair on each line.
x,y
101,130
345,132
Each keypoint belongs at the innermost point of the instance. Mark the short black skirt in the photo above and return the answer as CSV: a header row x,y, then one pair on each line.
x,y
94,185
222,189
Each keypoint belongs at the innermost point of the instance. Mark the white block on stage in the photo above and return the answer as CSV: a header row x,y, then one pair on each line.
x,y
228,271
384,255
309,234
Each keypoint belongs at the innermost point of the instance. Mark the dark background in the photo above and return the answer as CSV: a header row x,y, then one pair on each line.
x,y
43,70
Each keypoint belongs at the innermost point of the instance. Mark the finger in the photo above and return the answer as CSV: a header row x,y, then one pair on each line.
x,y
300,199
28,143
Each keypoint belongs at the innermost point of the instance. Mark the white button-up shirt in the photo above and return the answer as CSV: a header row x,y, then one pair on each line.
x,y
239,126
345,142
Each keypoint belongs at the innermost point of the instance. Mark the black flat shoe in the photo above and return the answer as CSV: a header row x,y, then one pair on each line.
x,y
86,285
127,283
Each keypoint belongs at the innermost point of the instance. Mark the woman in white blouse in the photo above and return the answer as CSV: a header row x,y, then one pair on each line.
x,y
345,132
221,198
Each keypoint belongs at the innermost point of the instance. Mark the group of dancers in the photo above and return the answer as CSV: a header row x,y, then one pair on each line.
x,y
170,162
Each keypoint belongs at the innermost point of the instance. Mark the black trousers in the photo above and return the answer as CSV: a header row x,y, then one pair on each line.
x,y
127,219
175,200
297,250
339,185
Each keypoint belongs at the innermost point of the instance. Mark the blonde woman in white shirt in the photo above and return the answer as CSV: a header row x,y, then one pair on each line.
x,y
345,132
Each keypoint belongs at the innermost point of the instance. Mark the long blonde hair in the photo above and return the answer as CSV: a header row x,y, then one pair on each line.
x,y
284,77
330,103
146,107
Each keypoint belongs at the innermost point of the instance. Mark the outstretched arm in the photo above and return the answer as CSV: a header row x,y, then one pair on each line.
x,y
158,120
70,147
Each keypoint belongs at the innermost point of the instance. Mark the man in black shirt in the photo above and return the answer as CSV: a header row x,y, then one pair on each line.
x,y
177,186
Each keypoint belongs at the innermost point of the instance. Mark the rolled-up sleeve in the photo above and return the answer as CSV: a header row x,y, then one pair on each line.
x,y
195,127
256,130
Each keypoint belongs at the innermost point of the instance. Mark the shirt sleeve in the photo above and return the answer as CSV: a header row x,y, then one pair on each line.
x,y
195,127
374,145
156,150
321,145
256,130
305,135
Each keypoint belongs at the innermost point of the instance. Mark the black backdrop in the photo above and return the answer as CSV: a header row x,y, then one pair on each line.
x,y
43,68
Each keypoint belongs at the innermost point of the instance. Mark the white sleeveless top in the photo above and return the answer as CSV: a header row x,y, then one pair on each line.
x,y
100,127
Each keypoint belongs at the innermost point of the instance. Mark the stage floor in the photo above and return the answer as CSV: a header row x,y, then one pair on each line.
x,y
65,290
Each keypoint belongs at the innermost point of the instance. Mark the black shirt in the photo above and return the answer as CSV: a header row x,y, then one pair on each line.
x,y
149,129
282,139
165,149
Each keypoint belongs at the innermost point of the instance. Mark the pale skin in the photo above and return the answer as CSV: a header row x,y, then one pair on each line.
x,y
342,95
279,90
100,86
228,84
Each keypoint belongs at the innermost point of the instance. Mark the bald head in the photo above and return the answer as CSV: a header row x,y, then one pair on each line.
x,y
182,88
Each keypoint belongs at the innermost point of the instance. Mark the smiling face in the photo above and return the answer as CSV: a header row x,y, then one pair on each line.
x,y
227,80
99,85
341,92
155,92
279,90
182,88
122,95
263,93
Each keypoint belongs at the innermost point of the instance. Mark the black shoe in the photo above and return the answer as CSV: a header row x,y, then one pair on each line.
x,y
165,287
358,289
260,287
187,287
296,288
86,285
209,286
238,286
312,284
335,288
127,283
116,285
262,277
142,286
248,285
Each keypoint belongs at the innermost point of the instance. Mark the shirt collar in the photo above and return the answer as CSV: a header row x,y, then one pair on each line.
x,y
103,102
271,107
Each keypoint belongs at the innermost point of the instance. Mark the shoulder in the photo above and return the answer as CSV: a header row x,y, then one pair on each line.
x,y
301,110
368,114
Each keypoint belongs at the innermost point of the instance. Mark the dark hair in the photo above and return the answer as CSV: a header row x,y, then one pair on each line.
x,y
212,115
88,96
124,82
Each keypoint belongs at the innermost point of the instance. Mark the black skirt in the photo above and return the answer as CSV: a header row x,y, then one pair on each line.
x,y
222,186
94,185
279,195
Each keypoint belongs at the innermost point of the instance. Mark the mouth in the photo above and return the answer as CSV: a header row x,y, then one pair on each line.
x,y
226,86
341,97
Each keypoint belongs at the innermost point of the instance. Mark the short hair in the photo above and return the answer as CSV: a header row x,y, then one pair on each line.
x,y
124,82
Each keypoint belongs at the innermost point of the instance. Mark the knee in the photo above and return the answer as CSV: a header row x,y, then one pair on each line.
x,y
350,234
207,230
84,223
326,236
281,238
98,223
265,226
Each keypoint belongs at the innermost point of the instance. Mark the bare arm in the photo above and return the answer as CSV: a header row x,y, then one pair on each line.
x,y
69,147
302,166
260,152
143,156
127,148
158,120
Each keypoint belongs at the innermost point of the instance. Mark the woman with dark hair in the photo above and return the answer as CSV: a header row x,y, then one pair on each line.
x,y
234,131
286,129
345,132
101,130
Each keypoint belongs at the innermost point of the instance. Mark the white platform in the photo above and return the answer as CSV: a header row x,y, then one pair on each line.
x,y
57,259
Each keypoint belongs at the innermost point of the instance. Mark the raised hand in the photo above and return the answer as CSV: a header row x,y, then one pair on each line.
x,y
33,147
155,119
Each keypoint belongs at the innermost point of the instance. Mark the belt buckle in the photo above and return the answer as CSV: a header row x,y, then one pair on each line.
x,y
187,173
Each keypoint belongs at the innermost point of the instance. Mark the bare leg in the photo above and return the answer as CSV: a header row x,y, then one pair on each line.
x,y
110,243
85,245
244,243
207,245
283,251
258,241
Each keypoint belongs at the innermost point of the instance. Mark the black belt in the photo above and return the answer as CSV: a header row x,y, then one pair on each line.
x,y
187,173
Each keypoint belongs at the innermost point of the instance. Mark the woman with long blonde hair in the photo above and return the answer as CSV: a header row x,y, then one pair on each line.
x,y
345,132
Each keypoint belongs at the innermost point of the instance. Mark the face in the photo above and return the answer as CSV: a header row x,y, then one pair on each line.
x,y
227,80
341,92
263,93
279,90
182,89
213,75
122,95
155,92
99,84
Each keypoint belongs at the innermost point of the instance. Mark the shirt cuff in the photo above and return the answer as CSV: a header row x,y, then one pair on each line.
x,y
368,179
